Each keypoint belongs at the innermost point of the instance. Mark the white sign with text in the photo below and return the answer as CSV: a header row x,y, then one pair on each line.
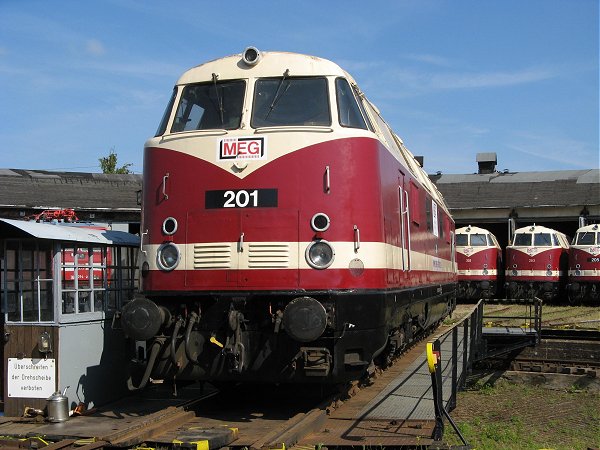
x,y
31,378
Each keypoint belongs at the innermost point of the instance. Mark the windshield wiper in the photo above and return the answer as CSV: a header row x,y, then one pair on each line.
x,y
219,98
277,96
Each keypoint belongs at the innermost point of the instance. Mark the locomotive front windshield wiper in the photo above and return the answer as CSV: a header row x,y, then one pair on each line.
x,y
219,98
277,96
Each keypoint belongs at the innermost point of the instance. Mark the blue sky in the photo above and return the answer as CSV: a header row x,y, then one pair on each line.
x,y
451,77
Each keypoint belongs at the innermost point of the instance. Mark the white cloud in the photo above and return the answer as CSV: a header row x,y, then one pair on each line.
x,y
95,47
429,59
571,153
418,82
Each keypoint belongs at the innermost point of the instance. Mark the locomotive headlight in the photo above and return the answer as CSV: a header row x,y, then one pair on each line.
x,y
320,222
167,256
319,254
169,226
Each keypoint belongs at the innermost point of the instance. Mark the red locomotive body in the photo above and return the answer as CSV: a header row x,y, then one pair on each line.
x,y
288,234
479,261
537,263
584,265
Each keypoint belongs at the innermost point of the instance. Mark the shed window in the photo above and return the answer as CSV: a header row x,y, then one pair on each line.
x,y
26,282
96,279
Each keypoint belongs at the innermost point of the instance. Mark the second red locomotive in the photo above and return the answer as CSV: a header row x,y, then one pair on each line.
x,y
537,263
479,261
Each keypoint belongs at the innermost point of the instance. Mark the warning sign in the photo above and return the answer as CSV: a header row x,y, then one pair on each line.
x,y
31,378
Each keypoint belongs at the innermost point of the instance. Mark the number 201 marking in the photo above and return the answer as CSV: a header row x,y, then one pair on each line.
x,y
240,199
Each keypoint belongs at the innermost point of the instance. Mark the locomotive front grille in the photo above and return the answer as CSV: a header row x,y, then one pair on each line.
x,y
212,256
268,255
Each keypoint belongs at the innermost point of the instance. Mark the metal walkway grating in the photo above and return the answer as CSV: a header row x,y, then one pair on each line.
x,y
410,396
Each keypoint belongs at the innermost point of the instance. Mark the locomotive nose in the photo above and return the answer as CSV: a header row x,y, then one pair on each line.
x,y
304,319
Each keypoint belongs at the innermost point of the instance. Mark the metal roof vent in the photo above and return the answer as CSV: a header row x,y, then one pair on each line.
x,y
487,162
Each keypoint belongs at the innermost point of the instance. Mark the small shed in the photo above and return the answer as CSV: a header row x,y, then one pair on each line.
x,y
61,285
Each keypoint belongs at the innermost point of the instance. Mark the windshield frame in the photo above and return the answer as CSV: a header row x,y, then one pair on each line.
x,y
279,92
221,104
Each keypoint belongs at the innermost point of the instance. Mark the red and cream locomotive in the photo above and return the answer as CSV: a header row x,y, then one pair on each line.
x,y
584,265
288,235
537,263
479,262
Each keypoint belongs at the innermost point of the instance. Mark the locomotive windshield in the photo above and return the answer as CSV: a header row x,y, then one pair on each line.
x,y
478,240
585,238
542,239
522,239
462,239
209,106
349,111
291,102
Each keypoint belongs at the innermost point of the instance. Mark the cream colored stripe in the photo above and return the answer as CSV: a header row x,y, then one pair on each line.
x,y
533,273
261,255
471,272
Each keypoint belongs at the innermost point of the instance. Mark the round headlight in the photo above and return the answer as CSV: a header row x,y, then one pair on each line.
x,y
167,256
169,226
319,254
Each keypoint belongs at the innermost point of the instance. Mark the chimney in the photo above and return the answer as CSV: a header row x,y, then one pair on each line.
x,y
486,162
420,160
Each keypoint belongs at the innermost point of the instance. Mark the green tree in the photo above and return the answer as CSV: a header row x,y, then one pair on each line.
x,y
108,164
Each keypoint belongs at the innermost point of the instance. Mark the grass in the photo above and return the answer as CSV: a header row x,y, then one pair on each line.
x,y
514,416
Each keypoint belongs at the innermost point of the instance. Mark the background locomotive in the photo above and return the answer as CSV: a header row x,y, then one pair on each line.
x,y
584,265
288,234
479,262
537,263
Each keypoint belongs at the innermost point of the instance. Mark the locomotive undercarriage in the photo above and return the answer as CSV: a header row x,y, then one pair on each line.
x,y
476,289
583,291
279,337
544,290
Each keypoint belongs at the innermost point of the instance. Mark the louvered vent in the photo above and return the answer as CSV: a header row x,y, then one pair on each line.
x,y
212,256
268,255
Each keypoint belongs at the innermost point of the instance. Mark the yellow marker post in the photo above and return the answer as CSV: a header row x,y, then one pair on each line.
x,y
431,357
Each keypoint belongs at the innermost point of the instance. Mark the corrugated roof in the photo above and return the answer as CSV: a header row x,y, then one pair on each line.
x,y
48,190
73,232
522,189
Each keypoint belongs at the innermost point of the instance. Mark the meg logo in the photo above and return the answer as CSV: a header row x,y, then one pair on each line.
x,y
236,148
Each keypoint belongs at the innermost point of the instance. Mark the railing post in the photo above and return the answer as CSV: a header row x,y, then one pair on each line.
x,y
466,354
452,403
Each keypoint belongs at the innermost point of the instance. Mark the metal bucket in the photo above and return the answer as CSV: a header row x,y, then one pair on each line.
x,y
58,406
